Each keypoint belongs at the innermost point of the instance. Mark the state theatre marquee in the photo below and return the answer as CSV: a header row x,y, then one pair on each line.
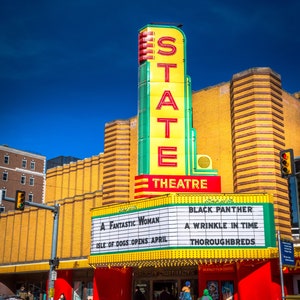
x,y
179,227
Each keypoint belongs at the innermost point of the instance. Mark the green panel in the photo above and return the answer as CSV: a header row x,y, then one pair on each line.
x,y
270,233
143,120
188,126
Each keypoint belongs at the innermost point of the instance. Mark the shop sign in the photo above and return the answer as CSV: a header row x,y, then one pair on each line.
x,y
292,269
166,272
287,253
184,225
184,184
53,275
166,138
214,268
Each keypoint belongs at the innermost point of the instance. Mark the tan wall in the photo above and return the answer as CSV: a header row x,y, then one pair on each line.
x,y
211,119
242,126
258,133
27,237
28,234
76,178
22,240
116,170
291,114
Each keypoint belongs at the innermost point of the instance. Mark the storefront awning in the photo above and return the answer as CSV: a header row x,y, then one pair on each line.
x,y
44,266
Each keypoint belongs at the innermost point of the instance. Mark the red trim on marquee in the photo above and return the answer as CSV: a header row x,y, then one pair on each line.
x,y
177,183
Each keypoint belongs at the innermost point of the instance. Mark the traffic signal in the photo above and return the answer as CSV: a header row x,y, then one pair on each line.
x,y
287,163
20,200
54,262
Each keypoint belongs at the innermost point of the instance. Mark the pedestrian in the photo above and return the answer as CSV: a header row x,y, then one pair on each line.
x,y
206,295
30,295
22,293
62,297
138,295
186,292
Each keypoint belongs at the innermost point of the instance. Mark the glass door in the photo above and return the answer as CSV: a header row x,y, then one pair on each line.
x,y
167,286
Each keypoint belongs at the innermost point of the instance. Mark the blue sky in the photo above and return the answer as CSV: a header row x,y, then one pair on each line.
x,y
68,67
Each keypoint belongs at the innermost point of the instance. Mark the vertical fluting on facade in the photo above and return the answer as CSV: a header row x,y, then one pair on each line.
x,y
257,137
77,178
116,170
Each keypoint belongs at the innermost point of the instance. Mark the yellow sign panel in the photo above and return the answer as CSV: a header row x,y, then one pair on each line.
x,y
167,95
166,140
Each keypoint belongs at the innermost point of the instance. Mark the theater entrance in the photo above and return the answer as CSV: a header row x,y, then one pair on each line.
x,y
171,286
152,281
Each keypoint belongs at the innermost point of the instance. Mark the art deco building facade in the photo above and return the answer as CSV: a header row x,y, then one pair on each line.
x,y
242,125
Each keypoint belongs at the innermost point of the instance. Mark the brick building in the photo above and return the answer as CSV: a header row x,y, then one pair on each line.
x,y
22,170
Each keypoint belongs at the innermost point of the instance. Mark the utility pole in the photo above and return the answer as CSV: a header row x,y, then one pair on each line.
x,y
280,266
54,260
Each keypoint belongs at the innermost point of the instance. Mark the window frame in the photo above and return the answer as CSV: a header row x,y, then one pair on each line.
x,y
4,191
32,165
24,163
6,159
23,179
30,197
5,176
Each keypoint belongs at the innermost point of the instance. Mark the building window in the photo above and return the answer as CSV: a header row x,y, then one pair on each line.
x,y
32,165
31,181
23,179
24,163
5,176
30,197
6,159
2,208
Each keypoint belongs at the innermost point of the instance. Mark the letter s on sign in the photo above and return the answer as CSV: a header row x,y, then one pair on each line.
x,y
171,48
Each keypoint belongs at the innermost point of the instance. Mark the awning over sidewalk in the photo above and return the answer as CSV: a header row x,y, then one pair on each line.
x,y
44,266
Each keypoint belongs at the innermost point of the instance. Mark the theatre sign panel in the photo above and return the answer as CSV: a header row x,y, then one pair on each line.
x,y
179,216
182,222
168,159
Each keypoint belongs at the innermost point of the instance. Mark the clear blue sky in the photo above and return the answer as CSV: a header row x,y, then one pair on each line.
x,y
68,67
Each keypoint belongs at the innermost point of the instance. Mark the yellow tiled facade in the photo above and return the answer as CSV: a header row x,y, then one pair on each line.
x,y
75,179
242,125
